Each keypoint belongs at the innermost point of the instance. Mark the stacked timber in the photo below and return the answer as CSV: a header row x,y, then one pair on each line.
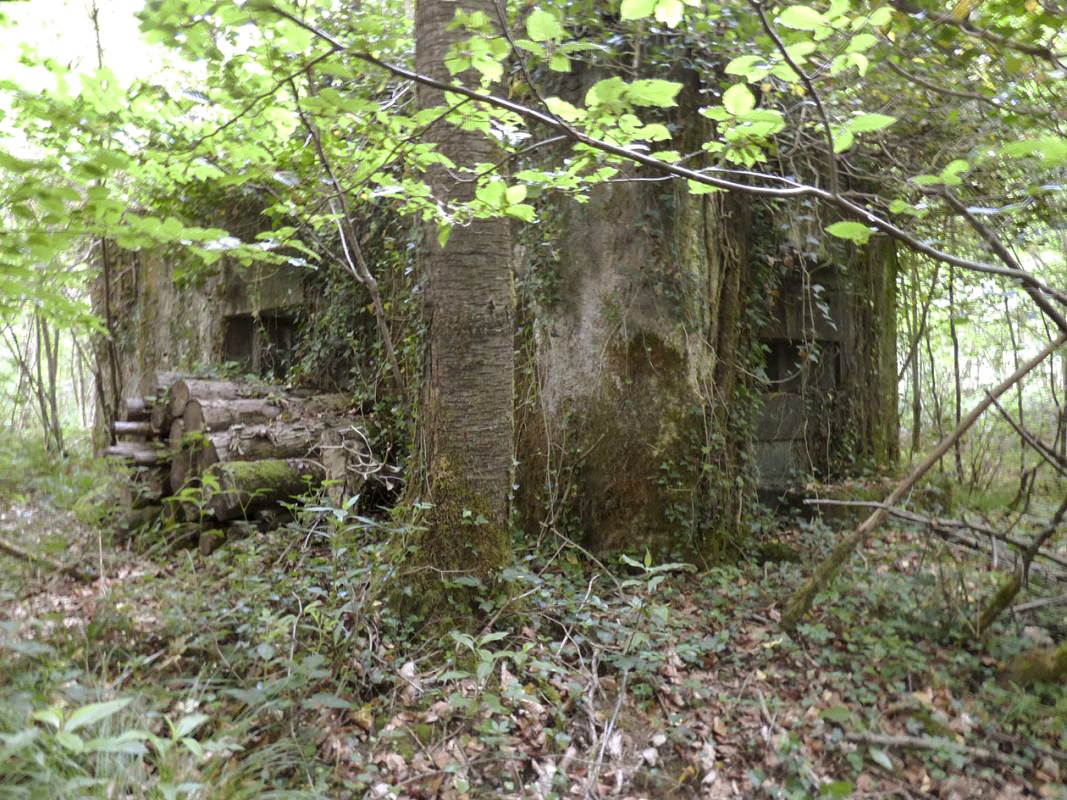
x,y
216,459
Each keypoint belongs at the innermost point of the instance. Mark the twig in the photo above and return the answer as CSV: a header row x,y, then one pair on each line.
x,y
609,728
800,603
72,570
1042,603
1050,456
932,743
940,526
831,161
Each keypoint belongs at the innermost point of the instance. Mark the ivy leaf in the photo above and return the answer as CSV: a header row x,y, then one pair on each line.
x,y
801,18
636,9
853,231
543,26
738,99
865,123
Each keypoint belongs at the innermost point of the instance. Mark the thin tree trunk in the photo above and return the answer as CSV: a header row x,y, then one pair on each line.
x,y
913,357
957,449
51,350
1018,389
465,421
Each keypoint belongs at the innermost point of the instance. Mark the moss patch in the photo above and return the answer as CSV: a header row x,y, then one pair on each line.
x,y
450,562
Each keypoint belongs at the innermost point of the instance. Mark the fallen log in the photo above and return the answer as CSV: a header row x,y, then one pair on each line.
x,y
347,460
137,453
155,384
297,439
122,428
201,389
134,409
239,488
212,414
73,570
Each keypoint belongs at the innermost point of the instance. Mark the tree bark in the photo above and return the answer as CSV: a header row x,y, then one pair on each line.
x,y
464,438
203,414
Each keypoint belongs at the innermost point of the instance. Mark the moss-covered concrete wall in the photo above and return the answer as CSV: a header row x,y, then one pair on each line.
x,y
170,312
829,336
628,420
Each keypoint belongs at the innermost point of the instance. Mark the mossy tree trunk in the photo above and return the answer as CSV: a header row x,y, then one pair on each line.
x,y
463,448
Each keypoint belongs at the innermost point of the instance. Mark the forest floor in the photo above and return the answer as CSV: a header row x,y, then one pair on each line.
x,y
269,670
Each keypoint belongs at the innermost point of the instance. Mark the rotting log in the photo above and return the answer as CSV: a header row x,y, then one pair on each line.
x,y
189,388
160,417
181,466
134,409
138,453
177,430
135,518
239,488
212,415
124,428
155,384
344,455
297,439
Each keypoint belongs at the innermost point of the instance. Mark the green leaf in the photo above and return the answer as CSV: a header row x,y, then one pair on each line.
x,y
130,743
71,741
701,188
880,758
515,194
669,12
190,722
881,17
836,789
865,123
94,712
843,140
853,231
861,42
193,746
745,66
950,174
444,230
636,9
838,714
492,194
559,63
49,716
801,18
653,92
738,99
543,26
562,109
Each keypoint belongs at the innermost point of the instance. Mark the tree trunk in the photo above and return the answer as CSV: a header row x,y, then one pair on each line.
x,y
464,439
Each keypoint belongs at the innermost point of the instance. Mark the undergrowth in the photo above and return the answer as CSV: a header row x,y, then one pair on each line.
x,y
274,669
